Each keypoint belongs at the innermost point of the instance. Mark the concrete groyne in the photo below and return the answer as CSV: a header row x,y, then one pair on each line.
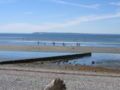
x,y
53,58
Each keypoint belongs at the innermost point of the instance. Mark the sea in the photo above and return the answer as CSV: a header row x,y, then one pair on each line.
x,y
61,39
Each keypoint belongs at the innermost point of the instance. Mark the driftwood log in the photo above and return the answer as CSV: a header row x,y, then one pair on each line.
x,y
56,84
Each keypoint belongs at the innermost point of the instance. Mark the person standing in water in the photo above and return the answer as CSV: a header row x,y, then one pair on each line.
x,y
53,43
63,44
38,43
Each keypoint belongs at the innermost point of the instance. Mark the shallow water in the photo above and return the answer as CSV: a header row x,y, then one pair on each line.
x,y
17,55
56,43
70,39
100,59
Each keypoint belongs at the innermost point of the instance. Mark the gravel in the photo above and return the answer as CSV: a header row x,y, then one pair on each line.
x,y
26,80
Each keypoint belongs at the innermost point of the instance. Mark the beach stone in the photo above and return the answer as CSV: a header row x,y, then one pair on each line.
x,y
56,84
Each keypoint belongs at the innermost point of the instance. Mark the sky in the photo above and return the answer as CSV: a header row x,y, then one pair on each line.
x,y
69,16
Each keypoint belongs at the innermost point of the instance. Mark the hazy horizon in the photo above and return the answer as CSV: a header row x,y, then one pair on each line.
x,y
60,33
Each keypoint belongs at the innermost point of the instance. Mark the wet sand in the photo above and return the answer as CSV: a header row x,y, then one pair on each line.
x,y
55,65
70,49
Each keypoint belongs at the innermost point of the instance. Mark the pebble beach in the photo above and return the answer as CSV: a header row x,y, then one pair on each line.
x,y
27,78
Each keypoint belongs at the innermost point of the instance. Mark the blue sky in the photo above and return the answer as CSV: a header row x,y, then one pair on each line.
x,y
76,16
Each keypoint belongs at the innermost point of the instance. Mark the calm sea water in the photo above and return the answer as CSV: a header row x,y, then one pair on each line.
x,y
63,37
59,38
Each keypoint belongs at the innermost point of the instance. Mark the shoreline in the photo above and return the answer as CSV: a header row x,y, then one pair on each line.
x,y
51,66
80,49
